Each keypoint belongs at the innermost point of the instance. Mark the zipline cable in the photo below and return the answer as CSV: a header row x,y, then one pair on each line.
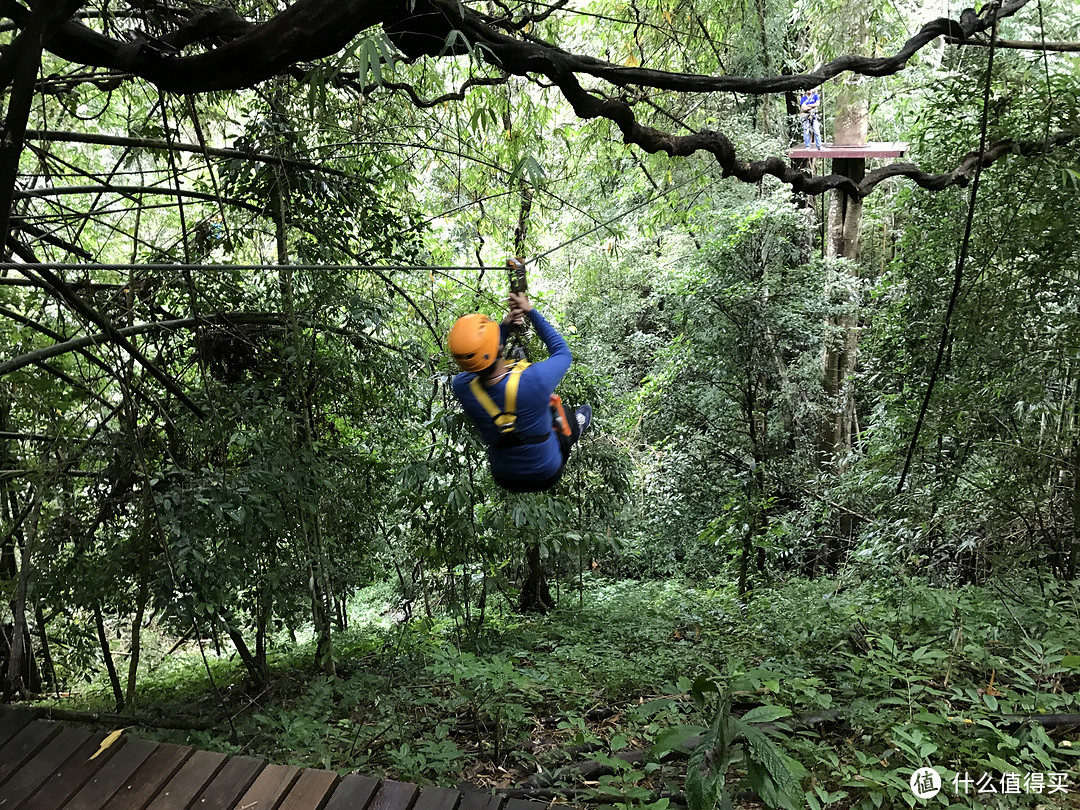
x,y
181,266
958,275
617,217
186,266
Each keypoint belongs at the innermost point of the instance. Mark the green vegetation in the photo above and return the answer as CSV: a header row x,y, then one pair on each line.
x,y
855,685
825,530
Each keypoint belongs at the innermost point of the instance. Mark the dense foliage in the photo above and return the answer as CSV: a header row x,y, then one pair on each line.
x,y
234,483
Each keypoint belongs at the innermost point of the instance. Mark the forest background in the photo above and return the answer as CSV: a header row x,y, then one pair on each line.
x,y
825,529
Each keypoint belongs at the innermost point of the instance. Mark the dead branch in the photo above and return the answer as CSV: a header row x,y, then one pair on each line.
x,y
112,719
63,292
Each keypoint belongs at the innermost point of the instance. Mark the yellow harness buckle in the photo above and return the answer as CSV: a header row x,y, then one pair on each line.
x,y
505,418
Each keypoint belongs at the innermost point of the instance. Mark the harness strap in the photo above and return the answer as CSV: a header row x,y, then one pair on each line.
x,y
505,418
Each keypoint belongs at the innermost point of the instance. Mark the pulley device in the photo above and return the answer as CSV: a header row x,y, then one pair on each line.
x,y
519,283
515,270
518,354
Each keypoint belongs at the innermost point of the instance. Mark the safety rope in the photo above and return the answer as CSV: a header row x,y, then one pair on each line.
x,y
958,274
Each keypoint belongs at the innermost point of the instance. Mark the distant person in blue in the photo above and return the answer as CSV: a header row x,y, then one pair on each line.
x,y
809,102
512,403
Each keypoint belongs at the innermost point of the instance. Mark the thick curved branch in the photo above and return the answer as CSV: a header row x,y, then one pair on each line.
x,y
1021,44
961,175
587,105
305,31
313,29
968,25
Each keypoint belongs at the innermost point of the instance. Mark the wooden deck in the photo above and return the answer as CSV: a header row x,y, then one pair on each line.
x,y
866,150
47,766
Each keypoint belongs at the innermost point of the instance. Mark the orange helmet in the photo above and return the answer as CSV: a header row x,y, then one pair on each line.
x,y
474,342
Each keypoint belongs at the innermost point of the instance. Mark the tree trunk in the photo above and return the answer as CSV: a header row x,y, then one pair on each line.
x,y
259,674
758,523
764,102
262,622
18,74
535,594
141,600
1073,553
48,670
9,509
106,653
840,355
319,588
321,598
25,51
16,679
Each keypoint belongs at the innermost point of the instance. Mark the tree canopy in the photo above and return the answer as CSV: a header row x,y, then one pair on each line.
x,y
195,49
837,435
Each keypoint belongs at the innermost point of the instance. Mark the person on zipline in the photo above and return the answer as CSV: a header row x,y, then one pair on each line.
x,y
513,404
809,102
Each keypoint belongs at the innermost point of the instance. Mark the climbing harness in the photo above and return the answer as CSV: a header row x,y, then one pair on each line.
x,y
505,418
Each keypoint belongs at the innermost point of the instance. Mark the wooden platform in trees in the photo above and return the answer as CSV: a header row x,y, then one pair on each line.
x,y
48,766
866,150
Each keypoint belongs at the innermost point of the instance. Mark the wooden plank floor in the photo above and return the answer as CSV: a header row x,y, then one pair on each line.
x,y
47,766
866,150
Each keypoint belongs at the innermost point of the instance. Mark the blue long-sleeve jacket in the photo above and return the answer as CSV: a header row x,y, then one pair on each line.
x,y
524,462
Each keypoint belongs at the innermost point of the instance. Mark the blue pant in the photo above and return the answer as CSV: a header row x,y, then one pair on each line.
x,y
810,120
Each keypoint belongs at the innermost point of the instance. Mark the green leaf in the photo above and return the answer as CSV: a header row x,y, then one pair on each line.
x,y
647,710
671,738
705,782
766,714
765,751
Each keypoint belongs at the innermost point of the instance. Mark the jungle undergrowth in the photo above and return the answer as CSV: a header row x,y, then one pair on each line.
x,y
857,684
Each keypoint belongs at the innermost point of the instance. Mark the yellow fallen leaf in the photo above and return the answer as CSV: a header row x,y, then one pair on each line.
x,y
108,741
